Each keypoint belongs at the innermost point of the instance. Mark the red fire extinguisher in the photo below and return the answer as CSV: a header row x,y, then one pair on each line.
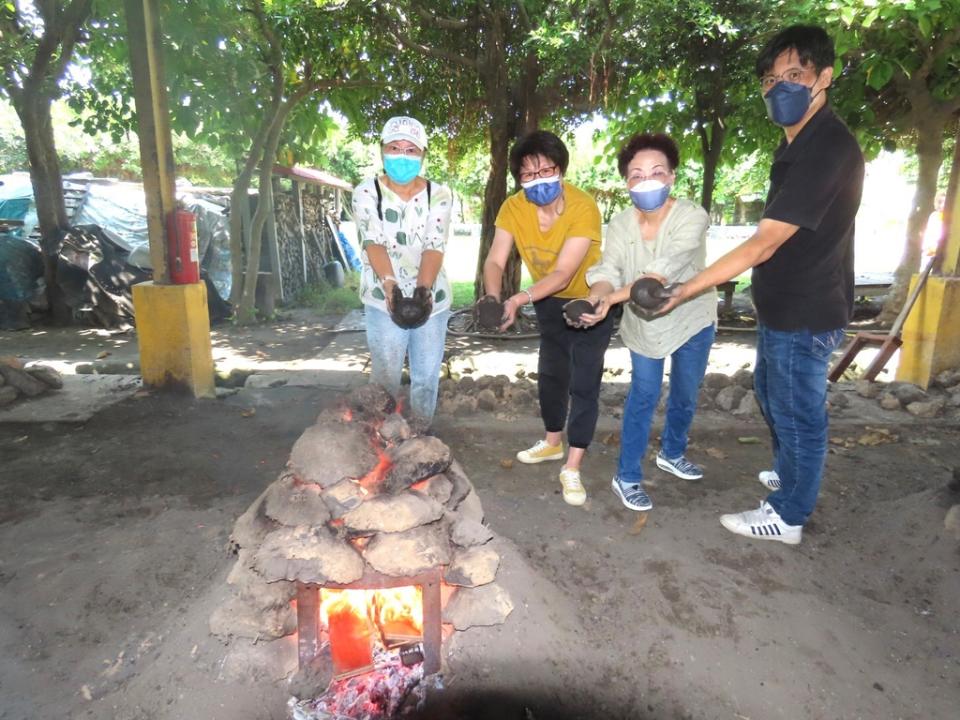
x,y
183,253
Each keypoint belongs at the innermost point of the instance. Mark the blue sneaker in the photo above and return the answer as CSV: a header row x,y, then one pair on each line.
x,y
632,496
681,467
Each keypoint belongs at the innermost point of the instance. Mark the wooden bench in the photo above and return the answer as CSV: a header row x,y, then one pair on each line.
x,y
727,288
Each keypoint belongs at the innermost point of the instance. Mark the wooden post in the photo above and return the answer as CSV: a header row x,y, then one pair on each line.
x,y
273,249
298,199
156,151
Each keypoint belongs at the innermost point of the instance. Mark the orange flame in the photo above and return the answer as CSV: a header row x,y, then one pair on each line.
x,y
372,480
353,617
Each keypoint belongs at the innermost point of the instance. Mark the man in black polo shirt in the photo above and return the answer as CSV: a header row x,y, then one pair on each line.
x,y
802,260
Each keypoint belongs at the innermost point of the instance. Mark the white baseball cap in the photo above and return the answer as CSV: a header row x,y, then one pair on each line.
x,y
401,127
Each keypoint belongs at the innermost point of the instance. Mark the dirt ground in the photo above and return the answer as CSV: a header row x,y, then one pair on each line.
x,y
113,554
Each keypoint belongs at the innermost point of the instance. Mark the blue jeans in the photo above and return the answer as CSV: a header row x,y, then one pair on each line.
x,y
390,343
790,380
688,363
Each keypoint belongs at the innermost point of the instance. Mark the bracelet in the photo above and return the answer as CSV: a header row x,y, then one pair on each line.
x,y
389,277
529,295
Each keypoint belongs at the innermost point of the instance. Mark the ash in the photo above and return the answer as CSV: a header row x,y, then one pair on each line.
x,y
376,695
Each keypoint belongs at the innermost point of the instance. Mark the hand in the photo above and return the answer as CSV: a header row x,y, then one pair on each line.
x,y
423,295
510,308
575,309
488,312
390,290
675,295
601,306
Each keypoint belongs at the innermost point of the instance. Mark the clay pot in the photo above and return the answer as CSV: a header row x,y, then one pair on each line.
x,y
489,312
575,308
649,293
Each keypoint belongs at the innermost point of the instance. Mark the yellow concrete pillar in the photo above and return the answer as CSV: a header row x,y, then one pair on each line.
x,y
931,334
173,332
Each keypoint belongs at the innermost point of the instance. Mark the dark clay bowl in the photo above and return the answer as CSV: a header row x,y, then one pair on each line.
x,y
410,313
575,308
648,293
489,313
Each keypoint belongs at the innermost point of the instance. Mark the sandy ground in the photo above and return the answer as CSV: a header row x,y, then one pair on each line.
x,y
114,554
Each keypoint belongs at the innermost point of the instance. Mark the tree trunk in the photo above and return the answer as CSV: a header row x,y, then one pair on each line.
x,y
930,130
246,312
238,195
712,147
495,192
949,201
34,112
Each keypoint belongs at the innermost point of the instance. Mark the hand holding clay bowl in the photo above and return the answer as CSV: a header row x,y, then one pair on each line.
x,y
488,312
649,294
575,308
410,312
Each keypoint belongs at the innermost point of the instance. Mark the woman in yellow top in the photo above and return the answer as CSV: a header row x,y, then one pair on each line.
x,y
556,229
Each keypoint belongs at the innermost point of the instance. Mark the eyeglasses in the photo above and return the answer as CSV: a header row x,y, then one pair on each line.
x,y
637,176
412,151
794,75
543,172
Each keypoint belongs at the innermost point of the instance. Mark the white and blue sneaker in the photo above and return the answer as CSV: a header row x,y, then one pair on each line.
x,y
681,467
632,495
764,523
770,479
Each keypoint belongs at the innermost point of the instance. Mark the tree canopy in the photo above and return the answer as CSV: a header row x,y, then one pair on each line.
x,y
261,79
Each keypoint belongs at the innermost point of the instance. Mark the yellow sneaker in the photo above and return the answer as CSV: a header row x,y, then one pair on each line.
x,y
573,492
541,452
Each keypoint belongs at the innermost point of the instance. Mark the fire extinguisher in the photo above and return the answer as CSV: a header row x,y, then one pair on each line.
x,y
183,253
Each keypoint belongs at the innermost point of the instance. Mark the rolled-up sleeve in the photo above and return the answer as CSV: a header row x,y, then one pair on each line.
x,y
612,267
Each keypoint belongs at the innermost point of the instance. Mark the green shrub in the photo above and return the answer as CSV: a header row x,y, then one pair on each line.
x,y
330,300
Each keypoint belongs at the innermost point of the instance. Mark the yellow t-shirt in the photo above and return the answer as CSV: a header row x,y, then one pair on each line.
x,y
539,250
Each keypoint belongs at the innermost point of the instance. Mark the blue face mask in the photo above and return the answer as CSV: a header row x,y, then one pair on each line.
x,y
787,102
401,168
542,191
649,195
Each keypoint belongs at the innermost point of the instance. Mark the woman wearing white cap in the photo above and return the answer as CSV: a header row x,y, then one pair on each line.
x,y
402,220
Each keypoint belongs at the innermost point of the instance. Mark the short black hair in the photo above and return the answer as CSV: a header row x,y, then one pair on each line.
x,y
648,141
538,142
811,42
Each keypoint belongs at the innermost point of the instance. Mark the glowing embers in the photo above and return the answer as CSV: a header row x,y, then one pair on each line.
x,y
357,620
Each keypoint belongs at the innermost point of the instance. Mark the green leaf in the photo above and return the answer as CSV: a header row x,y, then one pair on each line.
x,y
401,238
391,215
923,22
880,74
439,297
378,294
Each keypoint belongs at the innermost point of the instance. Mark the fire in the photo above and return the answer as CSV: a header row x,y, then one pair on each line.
x,y
354,618
372,479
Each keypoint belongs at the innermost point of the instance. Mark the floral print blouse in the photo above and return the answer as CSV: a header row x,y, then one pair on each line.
x,y
407,229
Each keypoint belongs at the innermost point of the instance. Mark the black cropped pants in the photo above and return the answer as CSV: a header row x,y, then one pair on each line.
x,y
570,369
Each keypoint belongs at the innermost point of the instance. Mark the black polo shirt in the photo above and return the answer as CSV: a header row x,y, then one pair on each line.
x,y
815,183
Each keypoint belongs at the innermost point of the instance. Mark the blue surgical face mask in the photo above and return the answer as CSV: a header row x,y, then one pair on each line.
x,y
649,195
787,102
402,169
542,191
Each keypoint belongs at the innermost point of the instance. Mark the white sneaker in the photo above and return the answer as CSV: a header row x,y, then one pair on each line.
x,y
764,524
770,479
573,492
541,452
